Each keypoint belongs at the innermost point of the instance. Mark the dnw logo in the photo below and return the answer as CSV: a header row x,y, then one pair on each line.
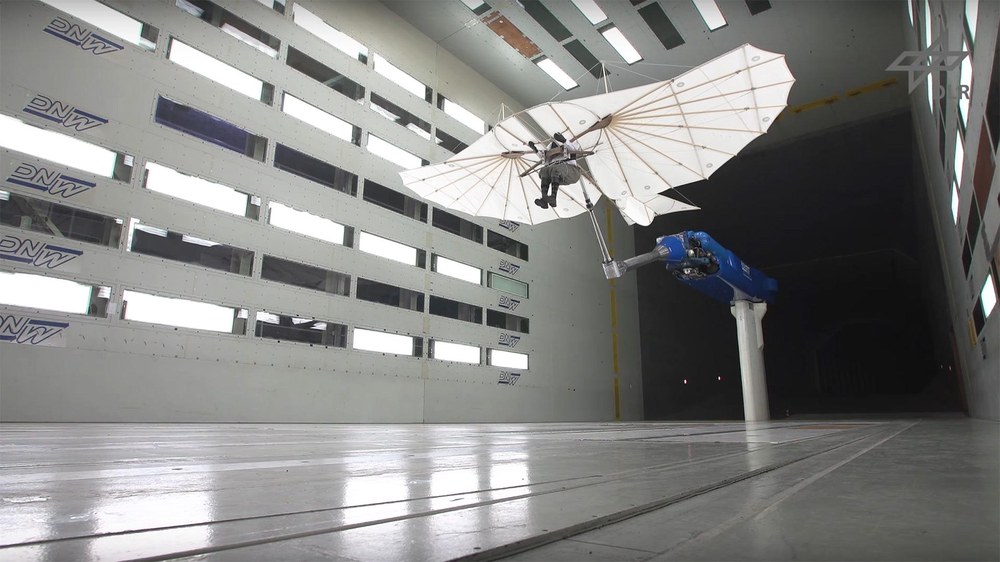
x,y
81,37
509,225
746,269
508,267
50,181
21,329
508,340
508,378
38,254
63,113
509,303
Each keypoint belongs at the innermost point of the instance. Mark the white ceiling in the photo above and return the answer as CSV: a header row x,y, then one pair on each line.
x,y
831,47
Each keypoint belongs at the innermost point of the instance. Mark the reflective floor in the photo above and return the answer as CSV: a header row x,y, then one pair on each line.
x,y
792,490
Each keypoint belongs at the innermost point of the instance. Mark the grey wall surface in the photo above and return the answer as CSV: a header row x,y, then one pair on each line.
x,y
104,368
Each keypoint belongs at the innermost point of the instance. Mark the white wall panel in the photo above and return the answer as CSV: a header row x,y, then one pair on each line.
x,y
109,369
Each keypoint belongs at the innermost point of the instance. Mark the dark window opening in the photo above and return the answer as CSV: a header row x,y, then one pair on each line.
x,y
757,6
400,116
507,245
586,58
394,201
373,291
506,321
324,75
973,223
456,225
449,142
978,318
314,169
992,115
966,256
305,276
37,215
661,25
209,128
232,24
448,308
543,16
175,246
304,330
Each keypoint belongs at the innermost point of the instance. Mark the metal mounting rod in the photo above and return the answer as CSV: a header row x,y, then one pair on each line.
x,y
605,254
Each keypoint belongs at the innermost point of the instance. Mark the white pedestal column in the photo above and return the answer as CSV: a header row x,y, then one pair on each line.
x,y
751,340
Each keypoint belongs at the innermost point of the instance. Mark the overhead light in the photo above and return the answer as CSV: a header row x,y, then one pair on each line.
x,y
621,44
556,73
590,10
711,13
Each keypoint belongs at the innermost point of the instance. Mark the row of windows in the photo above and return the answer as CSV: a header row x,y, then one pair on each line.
x,y
984,164
50,293
33,214
146,36
74,152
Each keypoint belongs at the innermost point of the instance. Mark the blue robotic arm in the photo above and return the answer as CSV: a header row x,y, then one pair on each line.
x,y
697,260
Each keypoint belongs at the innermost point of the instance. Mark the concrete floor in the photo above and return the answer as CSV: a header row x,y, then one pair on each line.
x,y
792,490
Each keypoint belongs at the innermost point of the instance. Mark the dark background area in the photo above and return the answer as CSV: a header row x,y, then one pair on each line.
x,y
842,221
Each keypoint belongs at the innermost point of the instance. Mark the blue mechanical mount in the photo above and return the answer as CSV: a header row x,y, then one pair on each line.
x,y
697,260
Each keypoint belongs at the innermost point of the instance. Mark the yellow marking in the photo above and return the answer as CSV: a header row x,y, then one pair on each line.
x,y
874,86
610,225
614,351
972,333
614,309
814,104
618,402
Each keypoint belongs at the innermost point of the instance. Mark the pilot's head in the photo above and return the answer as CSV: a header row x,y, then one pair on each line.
x,y
559,137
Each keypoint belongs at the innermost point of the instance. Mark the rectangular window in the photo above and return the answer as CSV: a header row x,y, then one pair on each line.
x,y
402,79
65,150
590,10
448,308
218,71
314,169
506,321
372,244
556,73
447,351
971,19
162,243
507,245
393,153
507,285
110,20
507,359
395,201
456,225
326,122
209,128
314,226
455,269
988,296
341,41
661,25
305,276
449,142
400,116
37,215
50,293
959,160
170,182
183,313
382,342
382,293
617,39
232,25
543,16
954,201
711,13
462,115
324,75
283,327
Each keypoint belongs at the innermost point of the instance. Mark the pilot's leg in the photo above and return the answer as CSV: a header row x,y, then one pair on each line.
x,y
551,199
